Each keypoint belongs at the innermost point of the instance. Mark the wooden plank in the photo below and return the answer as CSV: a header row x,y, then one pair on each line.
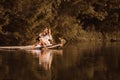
x,y
16,47
29,47
50,47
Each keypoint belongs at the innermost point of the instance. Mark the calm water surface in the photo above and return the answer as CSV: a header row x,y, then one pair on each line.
x,y
82,61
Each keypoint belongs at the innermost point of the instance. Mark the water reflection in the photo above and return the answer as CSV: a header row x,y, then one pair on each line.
x,y
45,56
90,61
27,65
82,61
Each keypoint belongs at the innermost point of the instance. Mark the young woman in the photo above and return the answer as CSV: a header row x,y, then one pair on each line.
x,y
45,38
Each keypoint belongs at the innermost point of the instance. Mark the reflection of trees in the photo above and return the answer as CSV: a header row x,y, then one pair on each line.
x,y
88,63
79,62
17,65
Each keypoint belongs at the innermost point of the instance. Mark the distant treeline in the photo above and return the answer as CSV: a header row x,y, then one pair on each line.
x,y
81,20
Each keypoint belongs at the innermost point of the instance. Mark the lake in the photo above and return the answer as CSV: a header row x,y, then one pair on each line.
x,y
81,61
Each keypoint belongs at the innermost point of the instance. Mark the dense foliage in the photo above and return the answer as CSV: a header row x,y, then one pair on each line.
x,y
22,20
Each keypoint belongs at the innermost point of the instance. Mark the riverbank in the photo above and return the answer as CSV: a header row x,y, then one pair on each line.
x,y
87,36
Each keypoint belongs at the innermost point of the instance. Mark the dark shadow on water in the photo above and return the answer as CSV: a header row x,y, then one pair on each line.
x,y
26,65
17,65
89,61
82,61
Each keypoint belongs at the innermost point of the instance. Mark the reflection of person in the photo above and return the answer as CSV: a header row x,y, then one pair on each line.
x,y
45,56
45,59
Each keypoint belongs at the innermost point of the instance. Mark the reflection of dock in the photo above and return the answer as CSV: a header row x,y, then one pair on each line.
x,y
45,56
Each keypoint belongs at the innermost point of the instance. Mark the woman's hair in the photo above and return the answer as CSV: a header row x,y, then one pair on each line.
x,y
47,30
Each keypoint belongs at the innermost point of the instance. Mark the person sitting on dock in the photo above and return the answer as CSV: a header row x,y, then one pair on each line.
x,y
45,38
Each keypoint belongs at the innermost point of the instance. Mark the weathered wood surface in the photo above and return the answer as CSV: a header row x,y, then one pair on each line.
x,y
29,47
